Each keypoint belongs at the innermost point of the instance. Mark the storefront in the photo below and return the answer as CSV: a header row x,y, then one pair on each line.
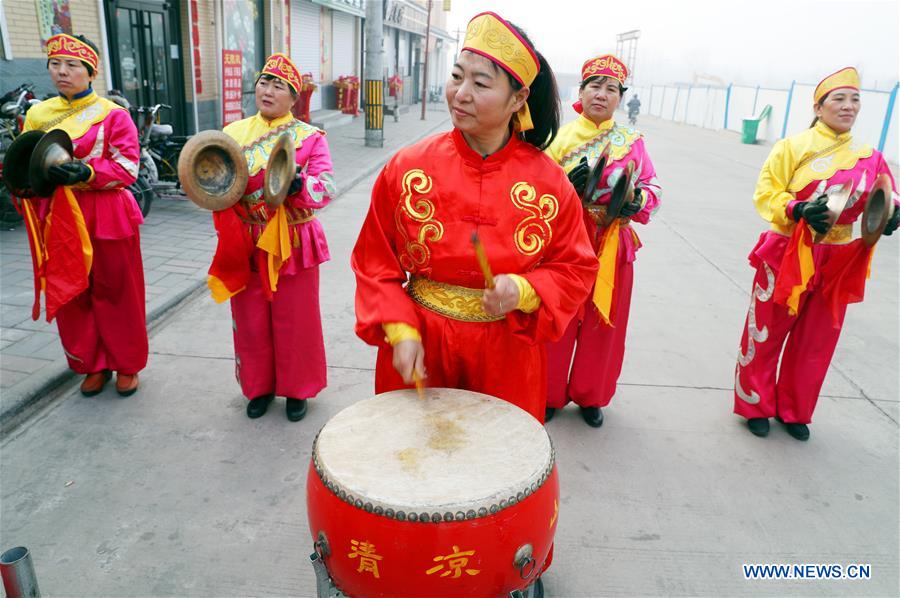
x,y
146,58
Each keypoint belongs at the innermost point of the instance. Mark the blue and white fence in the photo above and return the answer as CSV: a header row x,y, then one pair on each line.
x,y
725,108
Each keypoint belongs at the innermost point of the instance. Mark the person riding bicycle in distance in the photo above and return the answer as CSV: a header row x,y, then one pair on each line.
x,y
634,107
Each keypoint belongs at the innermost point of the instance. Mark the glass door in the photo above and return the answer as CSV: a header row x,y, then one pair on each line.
x,y
145,61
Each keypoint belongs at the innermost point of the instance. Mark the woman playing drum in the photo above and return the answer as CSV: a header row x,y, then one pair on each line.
x,y
420,295
267,260
801,289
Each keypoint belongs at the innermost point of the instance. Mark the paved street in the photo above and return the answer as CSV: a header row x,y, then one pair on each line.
x,y
176,492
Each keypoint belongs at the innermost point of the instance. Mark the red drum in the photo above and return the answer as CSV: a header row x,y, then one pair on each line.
x,y
453,495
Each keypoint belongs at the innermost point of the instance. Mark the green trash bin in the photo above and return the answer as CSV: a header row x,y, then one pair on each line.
x,y
751,126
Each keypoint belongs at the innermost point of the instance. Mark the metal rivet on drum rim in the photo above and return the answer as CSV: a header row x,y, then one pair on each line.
x,y
503,504
470,514
482,512
520,496
436,518
401,515
379,511
368,507
343,494
358,503
494,509
413,516
448,516
528,491
512,500
389,513
424,518
460,515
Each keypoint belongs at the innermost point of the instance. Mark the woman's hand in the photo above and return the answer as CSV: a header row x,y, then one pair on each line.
x,y
503,298
409,356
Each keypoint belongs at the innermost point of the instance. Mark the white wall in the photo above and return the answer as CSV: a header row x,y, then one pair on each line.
x,y
706,108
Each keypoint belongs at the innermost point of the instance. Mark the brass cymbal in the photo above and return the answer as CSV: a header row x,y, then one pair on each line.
x,y
212,170
836,202
15,163
53,149
280,171
877,211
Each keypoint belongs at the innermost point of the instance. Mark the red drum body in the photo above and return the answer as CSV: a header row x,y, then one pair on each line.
x,y
398,525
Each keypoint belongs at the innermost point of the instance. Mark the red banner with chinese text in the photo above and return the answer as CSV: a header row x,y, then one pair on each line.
x,y
232,109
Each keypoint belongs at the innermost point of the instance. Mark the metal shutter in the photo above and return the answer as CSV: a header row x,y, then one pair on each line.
x,y
344,41
306,43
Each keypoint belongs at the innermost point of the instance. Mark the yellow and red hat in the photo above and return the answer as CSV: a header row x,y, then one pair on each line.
x,y
846,77
605,66
491,36
279,65
63,45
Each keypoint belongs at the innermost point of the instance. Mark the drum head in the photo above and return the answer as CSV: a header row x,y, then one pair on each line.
x,y
456,452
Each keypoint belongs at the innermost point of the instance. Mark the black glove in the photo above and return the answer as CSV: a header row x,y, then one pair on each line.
x,y
814,212
892,223
69,173
630,208
578,176
296,184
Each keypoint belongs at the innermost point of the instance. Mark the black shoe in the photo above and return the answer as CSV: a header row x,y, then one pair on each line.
x,y
257,407
295,409
798,431
759,426
549,412
593,416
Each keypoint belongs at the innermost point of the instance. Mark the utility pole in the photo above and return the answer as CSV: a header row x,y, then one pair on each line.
x,y
626,50
373,74
425,67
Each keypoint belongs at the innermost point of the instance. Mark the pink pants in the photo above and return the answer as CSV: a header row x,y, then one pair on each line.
x,y
278,344
808,339
598,354
105,327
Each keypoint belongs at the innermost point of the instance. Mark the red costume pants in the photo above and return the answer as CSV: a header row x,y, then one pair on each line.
x,y
483,357
105,327
278,344
599,350
808,339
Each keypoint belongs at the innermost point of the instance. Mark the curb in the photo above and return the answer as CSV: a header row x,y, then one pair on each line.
x,y
24,399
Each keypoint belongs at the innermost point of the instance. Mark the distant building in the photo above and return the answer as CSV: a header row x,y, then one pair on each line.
x,y
170,52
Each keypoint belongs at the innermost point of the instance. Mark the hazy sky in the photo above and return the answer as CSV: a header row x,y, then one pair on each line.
x,y
767,42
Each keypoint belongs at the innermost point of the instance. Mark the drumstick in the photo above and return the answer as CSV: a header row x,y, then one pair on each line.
x,y
483,261
420,385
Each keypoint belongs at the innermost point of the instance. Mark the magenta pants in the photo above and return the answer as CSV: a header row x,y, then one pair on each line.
x,y
105,327
278,344
598,351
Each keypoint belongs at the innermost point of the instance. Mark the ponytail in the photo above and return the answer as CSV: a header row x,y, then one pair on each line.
x,y
543,101
820,103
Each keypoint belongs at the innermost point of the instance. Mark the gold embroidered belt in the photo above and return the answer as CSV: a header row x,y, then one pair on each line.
x,y
840,234
598,215
257,212
450,300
